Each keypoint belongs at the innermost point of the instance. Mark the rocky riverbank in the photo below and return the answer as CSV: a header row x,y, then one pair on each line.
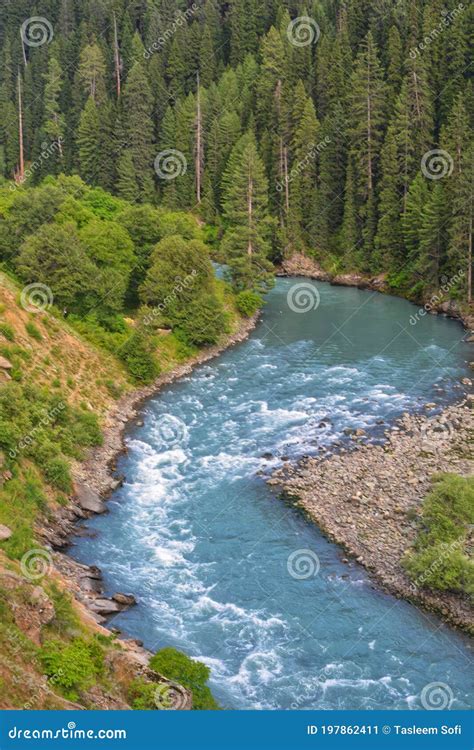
x,y
368,499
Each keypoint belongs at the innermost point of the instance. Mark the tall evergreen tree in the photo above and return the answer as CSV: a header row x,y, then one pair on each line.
x,y
246,241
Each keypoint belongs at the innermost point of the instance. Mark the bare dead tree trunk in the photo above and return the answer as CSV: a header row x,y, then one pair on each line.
x,y
117,58
198,143
285,172
21,170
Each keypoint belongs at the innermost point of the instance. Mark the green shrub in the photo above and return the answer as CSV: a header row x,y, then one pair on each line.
x,y
7,331
33,331
141,695
137,356
58,474
439,559
85,429
66,621
191,674
74,666
248,303
114,390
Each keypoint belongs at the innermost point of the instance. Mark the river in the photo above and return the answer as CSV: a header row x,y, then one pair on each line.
x,y
204,544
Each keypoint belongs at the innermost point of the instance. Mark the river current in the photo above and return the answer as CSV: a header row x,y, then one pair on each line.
x,y
201,540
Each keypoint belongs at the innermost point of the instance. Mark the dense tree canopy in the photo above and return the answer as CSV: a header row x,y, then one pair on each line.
x,y
343,118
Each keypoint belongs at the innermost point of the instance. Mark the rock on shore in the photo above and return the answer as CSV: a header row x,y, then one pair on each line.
x,y
367,500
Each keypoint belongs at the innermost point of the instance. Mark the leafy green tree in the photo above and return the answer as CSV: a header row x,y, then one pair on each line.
x,y
55,257
180,287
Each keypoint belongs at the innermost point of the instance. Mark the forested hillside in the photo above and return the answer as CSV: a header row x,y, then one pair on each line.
x,y
337,129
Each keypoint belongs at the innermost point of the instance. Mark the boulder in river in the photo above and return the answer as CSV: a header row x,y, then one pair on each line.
x,y
104,607
89,500
126,600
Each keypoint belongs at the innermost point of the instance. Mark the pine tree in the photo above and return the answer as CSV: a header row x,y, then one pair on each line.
x,y
433,238
92,71
413,123
137,103
388,241
303,192
207,60
245,243
456,140
368,110
88,141
127,184
54,123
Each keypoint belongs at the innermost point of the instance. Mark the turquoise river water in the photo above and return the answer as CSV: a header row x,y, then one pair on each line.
x,y
203,542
